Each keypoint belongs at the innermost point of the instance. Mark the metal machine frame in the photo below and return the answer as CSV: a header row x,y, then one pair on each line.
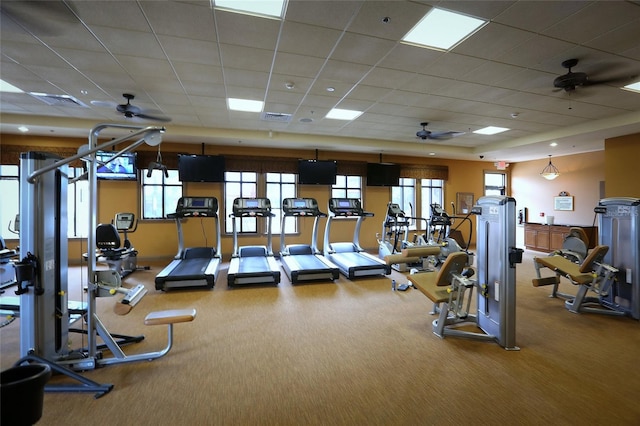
x,y
496,280
42,274
619,228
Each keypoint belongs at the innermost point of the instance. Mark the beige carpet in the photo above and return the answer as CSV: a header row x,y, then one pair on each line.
x,y
353,353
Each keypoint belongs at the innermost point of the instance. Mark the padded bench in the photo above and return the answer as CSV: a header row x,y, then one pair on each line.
x,y
171,316
591,275
435,285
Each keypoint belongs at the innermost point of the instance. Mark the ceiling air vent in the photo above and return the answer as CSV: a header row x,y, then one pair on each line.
x,y
58,100
276,116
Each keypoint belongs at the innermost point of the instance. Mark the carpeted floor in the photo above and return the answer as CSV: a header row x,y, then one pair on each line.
x,y
352,353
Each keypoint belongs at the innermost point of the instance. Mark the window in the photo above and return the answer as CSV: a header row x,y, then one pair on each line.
x,y
404,195
10,205
431,192
160,194
77,202
77,205
495,183
279,187
347,187
239,184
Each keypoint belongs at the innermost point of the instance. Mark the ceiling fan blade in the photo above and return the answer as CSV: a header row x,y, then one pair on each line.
x,y
104,104
147,116
445,135
612,81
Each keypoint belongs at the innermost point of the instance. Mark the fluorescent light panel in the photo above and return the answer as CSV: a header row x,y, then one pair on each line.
x,y
634,87
264,8
246,105
343,114
491,130
443,30
10,88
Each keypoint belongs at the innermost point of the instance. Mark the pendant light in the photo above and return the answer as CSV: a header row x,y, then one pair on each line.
x,y
550,172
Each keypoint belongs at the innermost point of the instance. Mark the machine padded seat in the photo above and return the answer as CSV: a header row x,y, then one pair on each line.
x,y
392,259
108,242
170,316
577,274
435,285
421,251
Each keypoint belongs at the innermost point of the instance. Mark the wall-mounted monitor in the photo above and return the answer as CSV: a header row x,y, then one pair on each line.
x,y
201,168
383,174
122,167
317,172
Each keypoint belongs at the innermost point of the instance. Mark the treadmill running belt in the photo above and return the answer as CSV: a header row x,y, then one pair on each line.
x,y
191,268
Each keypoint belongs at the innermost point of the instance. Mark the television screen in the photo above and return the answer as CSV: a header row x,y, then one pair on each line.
x,y
317,172
383,174
122,167
201,168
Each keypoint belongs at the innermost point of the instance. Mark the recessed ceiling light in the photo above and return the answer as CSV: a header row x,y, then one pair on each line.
x,y
331,89
553,144
264,8
633,87
343,114
442,29
6,87
432,153
23,129
491,130
246,105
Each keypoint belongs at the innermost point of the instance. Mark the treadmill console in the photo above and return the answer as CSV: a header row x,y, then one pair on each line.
x,y
346,207
196,206
252,207
301,207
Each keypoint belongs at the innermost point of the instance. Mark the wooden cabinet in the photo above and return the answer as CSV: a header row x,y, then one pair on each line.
x,y
547,238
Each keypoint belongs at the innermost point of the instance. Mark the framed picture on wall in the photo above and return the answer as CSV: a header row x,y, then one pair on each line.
x,y
464,202
563,203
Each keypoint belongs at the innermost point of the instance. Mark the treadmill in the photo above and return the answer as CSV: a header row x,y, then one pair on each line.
x,y
252,264
195,266
350,258
304,262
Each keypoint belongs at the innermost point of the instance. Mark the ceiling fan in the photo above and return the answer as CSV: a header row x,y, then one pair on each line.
x,y
425,134
131,111
569,81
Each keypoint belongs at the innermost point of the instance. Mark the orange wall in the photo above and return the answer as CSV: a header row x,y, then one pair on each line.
x,y
581,176
621,166
158,239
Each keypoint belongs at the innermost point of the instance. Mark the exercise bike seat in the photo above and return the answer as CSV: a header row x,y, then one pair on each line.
x,y
108,241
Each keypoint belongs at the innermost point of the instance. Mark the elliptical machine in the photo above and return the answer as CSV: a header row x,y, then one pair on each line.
x,y
394,231
442,233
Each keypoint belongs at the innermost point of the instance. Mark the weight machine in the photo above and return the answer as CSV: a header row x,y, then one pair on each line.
x,y
451,288
42,275
609,272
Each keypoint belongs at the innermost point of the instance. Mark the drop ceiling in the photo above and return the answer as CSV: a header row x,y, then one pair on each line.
x,y
183,59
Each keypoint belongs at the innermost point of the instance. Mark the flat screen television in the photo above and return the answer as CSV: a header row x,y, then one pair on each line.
x,y
317,172
201,168
122,167
383,174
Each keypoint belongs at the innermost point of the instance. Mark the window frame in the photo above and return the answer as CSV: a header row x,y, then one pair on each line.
x,y
165,208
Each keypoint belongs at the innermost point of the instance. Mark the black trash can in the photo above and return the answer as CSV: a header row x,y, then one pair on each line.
x,y
22,393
